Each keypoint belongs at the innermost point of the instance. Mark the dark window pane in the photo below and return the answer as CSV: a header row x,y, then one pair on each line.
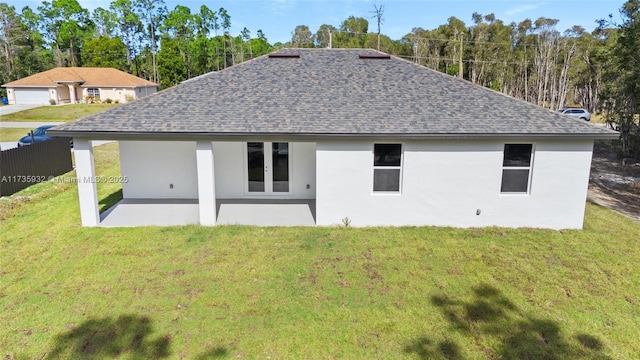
x,y
280,157
386,180
255,166
514,181
517,154
93,92
387,154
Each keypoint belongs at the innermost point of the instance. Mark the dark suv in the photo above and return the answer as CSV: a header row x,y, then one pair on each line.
x,y
577,112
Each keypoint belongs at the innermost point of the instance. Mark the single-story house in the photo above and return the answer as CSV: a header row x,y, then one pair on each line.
x,y
70,85
335,136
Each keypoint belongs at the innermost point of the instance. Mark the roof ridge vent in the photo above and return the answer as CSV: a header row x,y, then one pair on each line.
x,y
374,56
284,55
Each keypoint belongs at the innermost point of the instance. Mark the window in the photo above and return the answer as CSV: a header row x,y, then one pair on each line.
x,y
516,168
93,92
387,163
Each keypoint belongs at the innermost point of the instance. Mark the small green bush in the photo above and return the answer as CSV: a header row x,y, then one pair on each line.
x,y
108,101
52,102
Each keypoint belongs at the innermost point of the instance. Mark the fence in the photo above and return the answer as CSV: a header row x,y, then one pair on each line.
x,y
29,165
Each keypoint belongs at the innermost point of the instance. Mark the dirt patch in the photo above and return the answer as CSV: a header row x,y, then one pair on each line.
x,y
613,185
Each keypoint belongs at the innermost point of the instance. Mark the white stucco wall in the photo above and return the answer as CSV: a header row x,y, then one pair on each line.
x,y
120,93
230,171
446,182
153,166
143,91
11,97
87,190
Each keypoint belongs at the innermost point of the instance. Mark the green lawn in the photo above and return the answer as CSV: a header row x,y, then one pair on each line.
x,y
57,113
328,292
10,134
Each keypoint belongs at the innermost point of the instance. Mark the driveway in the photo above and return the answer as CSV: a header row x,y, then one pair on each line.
x,y
10,109
27,124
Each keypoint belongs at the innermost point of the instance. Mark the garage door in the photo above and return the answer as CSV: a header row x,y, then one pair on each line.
x,y
32,96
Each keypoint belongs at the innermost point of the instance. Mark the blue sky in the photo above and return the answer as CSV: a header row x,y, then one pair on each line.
x,y
278,18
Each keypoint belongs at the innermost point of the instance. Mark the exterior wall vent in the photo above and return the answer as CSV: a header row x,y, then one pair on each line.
x,y
374,56
276,55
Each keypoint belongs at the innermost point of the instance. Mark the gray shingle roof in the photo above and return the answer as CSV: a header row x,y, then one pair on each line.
x,y
330,92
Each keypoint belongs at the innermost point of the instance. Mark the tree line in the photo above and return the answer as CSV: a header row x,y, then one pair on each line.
x,y
532,60
141,37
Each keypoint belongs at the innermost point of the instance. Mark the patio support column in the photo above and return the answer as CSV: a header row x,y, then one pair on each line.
x,y
72,93
206,183
87,193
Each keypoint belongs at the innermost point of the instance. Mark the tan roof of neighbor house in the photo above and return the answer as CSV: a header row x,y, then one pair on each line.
x,y
89,76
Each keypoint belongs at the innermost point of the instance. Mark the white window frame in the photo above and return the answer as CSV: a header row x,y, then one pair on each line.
x,y
530,168
400,180
89,92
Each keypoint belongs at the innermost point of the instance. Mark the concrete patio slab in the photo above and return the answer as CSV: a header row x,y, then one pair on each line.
x,y
176,212
266,212
151,212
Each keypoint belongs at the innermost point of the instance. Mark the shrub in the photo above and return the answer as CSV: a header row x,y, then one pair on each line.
x,y
52,102
108,100
129,98
116,101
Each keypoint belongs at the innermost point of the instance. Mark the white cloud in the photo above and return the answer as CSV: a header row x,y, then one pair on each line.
x,y
280,7
523,8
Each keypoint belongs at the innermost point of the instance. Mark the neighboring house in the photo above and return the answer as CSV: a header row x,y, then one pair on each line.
x,y
349,134
70,85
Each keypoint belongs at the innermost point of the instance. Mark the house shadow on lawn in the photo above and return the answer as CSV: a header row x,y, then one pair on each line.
x,y
112,199
516,334
127,336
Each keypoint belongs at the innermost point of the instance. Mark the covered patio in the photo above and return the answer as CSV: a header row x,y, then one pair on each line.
x,y
176,212
169,183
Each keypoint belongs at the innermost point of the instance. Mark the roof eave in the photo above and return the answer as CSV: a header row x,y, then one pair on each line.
x,y
239,136
29,86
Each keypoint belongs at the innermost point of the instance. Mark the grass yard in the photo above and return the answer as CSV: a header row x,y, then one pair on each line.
x,y
57,113
247,292
11,134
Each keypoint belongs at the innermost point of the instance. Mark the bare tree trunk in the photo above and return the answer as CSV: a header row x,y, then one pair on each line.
x,y
526,78
156,78
7,55
379,11
224,51
564,80
72,54
58,55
